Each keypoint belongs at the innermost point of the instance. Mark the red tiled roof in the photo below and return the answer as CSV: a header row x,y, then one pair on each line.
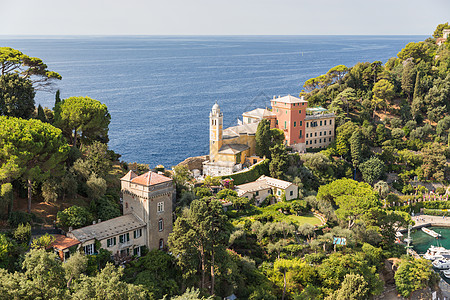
x,y
63,242
150,178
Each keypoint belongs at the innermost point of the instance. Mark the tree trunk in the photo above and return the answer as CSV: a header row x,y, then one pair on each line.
x,y
284,288
30,185
202,255
212,272
74,138
69,282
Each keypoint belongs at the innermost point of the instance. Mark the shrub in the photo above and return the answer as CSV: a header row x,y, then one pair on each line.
x,y
74,216
251,175
96,186
22,234
19,217
50,190
106,207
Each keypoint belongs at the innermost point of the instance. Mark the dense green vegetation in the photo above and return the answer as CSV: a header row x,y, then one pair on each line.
x,y
392,139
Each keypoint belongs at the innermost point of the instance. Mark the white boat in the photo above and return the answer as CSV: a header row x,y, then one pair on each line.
x,y
441,264
431,232
436,252
446,273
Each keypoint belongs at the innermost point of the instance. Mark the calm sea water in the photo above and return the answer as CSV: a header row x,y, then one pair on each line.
x,y
159,90
423,241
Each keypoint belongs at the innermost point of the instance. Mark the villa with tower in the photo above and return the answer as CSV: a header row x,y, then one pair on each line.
x,y
303,128
146,221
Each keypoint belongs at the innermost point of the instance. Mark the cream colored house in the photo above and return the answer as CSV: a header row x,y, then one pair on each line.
x,y
123,235
265,186
147,220
319,130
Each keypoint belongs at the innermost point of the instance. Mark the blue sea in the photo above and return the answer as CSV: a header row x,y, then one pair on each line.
x,y
159,89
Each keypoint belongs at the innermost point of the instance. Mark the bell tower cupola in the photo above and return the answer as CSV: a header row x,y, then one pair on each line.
x,y
215,132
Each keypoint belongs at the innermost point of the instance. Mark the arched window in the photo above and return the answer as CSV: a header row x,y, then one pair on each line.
x,y
161,244
126,205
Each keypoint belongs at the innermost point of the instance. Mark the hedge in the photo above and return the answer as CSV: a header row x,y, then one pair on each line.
x,y
436,212
251,175
437,205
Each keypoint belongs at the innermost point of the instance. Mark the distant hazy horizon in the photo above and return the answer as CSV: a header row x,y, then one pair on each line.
x,y
222,18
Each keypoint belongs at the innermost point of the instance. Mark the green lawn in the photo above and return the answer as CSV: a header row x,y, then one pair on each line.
x,y
300,220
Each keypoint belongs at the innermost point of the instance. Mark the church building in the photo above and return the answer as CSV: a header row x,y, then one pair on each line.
x,y
303,128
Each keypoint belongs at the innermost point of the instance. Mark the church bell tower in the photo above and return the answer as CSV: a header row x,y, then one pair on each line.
x,y
215,132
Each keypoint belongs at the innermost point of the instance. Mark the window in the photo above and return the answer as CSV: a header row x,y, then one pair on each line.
x,y
301,123
125,252
324,133
320,141
306,135
286,110
320,133
284,124
89,249
301,133
307,124
279,193
295,124
331,122
161,225
330,132
111,242
300,111
306,142
137,251
161,244
291,193
330,139
277,122
325,122
315,133
160,207
320,123
138,233
257,193
315,141
124,238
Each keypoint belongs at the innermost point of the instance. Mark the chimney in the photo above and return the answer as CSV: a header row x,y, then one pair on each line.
x,y
99,220
93,222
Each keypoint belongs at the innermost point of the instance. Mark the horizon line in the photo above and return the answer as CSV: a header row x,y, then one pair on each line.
x,y
198,35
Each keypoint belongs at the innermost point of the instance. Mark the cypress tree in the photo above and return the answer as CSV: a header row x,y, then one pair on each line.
x,y
57,99
417,86
40,114
263,138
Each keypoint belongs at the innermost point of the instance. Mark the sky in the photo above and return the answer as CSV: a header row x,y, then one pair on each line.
x,y
225,17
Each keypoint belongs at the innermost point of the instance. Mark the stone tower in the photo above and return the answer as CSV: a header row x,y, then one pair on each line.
x,y
215,132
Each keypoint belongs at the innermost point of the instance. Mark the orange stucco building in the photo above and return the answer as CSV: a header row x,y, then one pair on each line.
x,y
291,114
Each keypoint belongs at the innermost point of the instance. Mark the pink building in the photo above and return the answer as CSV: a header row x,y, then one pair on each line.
x,y
291,113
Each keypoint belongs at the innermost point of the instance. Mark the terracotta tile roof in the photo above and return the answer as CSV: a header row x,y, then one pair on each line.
x,y
150,178
130,175
63,242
